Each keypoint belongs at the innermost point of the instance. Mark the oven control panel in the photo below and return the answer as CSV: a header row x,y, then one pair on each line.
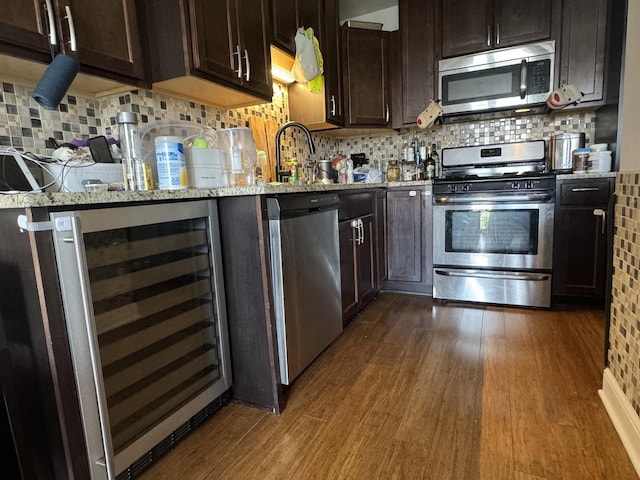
x,y
493,185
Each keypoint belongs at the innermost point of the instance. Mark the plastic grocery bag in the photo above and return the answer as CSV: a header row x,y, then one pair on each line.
x,y
305,66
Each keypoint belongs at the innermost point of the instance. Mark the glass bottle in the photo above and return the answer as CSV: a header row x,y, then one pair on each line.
x,y
436,159
430,166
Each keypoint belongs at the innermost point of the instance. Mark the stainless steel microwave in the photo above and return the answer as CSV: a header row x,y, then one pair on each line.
x,y
514,77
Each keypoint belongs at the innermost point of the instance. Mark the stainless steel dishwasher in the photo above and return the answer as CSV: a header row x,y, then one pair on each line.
x,y
305,270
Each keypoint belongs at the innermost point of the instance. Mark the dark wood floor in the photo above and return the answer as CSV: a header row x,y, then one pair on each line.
x,y
413,390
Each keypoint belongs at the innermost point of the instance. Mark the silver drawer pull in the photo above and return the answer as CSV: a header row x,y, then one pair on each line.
x,y
585,189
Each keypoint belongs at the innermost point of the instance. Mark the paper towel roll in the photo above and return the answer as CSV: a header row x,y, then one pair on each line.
x,y
55,81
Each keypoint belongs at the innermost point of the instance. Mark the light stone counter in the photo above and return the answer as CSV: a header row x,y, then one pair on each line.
x,y
27,200
579,176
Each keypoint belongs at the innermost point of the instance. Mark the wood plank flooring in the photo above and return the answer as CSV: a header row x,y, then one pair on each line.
x,y
417,390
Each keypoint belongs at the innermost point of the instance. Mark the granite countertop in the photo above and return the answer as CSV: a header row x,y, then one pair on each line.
x,y
27,200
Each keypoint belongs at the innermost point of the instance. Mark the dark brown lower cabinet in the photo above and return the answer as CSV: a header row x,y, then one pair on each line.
x,y
582,226
409,240
359,259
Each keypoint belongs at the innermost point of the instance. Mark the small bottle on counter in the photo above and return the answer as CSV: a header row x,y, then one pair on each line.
x,y
430,166
436,160
294,170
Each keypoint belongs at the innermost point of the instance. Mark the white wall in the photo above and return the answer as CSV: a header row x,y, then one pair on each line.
x,y
387,17
629,147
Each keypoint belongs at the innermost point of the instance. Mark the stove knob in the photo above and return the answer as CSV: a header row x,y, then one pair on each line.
x,y
466,187
515,185
529,185
453,188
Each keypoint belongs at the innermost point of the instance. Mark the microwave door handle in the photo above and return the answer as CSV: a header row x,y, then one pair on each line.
x,y
523,79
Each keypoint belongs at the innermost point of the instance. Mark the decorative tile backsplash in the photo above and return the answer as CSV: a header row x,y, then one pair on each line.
x,y
25,125
624,336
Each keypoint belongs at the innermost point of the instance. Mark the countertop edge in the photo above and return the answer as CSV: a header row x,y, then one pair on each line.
x,y
59,199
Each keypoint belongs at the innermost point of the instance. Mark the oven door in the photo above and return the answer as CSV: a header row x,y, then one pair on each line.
x,y
512,232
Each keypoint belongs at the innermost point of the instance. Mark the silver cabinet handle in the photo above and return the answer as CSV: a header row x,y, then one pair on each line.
x,y
386,113
361,229
72,29
497,34
488,35
523,79
247,64
333,104
585,189
355,224
53,37
239,70
598,212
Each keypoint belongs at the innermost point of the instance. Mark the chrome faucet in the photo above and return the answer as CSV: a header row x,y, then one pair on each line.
x,y
282,172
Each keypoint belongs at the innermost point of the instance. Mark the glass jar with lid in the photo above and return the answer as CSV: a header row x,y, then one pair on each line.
x,y
393,171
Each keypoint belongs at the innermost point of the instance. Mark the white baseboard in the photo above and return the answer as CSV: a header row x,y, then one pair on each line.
x,y
624,418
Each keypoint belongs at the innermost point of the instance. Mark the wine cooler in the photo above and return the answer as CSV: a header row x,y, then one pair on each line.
x,y
144,302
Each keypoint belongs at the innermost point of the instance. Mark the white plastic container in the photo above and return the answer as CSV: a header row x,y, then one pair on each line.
x,y
599,147
204,167
171,164
600,161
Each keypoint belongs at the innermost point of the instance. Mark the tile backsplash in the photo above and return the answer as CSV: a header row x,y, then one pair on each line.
x,y
624,335
25,125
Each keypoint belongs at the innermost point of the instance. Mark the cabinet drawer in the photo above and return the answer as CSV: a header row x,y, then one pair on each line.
x,y
353,205
586,192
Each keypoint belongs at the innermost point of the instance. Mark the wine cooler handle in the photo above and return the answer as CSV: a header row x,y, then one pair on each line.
x,y
96,365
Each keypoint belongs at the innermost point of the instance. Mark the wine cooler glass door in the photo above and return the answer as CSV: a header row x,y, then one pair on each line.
x,y
144,302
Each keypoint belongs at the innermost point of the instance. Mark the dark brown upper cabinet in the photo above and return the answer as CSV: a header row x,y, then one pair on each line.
x,y
287,16
365,78
414,71
582,57
106,38
213,51
470,26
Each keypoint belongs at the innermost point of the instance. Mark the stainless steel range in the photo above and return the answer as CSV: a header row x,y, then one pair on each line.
x,y
493,225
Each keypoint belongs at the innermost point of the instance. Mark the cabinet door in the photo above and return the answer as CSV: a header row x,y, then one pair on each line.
x,y
366,258
331,58
24,24
216,46
347,235
365,77
284,25
580,252
582,56
467,26
404,236
521,21
418,60
256,55
581,239
108,35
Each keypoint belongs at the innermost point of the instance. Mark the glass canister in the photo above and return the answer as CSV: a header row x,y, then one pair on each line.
x,y
393,171
580,159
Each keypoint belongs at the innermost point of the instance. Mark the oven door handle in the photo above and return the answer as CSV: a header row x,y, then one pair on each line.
x,y
530,277
496,198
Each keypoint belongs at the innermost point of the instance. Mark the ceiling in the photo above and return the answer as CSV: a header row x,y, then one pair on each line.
x,y
355,8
